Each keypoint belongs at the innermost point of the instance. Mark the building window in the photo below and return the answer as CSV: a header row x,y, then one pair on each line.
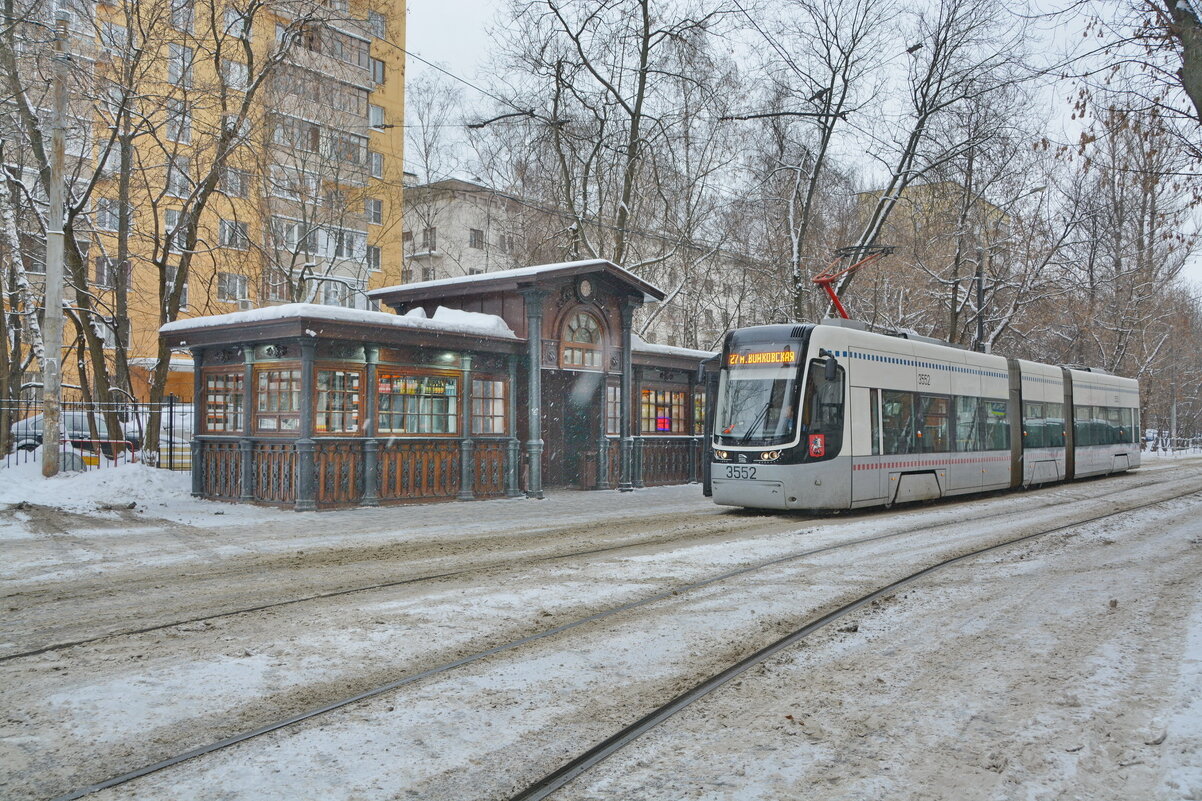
x,y
407,242
411,404
475,238
373,207
182,15
699,412
375,116
106,272
236,24
338,401
179,121
376,162
178,182
377,70
488,406
581,342
276,284
338,293
373,258
109,332
346,244
429,240
427,273
174,230
231,287
232,234
234,182
378,24
179,65
278,400
107,216
662,412
223,402
234,74
613,409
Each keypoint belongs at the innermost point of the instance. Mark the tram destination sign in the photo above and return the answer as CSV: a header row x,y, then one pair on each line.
x,y
762,357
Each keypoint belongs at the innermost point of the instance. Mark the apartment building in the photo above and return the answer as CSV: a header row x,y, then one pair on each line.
x,y
220,157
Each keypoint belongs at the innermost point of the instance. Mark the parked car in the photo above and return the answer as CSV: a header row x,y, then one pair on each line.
x,y
73,426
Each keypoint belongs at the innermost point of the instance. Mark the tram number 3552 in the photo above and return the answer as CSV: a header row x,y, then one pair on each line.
x,y
736,471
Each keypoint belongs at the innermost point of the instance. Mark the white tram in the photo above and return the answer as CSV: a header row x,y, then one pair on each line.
x,y
832,416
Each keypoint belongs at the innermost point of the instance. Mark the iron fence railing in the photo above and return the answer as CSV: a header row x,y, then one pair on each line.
x,y
95,435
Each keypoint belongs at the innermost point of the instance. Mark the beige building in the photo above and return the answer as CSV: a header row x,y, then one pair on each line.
x,y
455,227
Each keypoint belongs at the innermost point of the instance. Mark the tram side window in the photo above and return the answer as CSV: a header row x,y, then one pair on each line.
x,y
969,427
933,431
1054,424
1104,425
997,425
1034,425
897,418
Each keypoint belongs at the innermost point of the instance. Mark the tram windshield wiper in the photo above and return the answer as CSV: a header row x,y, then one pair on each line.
x,y
759,418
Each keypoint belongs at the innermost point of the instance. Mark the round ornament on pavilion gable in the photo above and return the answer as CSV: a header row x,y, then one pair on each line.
x,y
586,289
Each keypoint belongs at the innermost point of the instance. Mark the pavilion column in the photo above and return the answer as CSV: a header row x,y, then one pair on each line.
x,y
513,463
198,410
246,445
371,446
626,479
603,438
467,467
534,345
306,467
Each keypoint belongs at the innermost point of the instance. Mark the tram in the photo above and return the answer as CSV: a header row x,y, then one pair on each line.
x,y
833,416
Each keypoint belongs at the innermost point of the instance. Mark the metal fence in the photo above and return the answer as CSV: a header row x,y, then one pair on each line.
x,y
97,435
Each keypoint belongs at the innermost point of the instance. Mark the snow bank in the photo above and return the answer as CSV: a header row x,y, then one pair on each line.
x,y
122,484
456,322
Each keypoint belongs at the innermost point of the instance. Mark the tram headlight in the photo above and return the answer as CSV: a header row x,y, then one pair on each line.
x,y
722,454
769,456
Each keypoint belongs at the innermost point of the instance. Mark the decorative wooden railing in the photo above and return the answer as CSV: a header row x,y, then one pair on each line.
x,y
419,469
669,461
222,470
339,471
490,456
275,472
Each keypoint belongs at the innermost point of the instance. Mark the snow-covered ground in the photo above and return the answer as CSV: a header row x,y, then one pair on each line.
x,y
1066,667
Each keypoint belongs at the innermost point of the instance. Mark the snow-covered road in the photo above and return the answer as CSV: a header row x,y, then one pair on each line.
x,y
1009,676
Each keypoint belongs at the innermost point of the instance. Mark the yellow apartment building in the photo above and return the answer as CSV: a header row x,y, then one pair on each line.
x,y
257,146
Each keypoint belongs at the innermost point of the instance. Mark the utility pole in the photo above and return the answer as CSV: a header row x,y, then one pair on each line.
x,y
979,345
52,331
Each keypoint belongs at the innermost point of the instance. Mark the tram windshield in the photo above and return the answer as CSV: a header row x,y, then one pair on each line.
x,y
757,397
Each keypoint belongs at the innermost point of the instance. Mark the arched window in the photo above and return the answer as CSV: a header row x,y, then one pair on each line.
x,y
581,342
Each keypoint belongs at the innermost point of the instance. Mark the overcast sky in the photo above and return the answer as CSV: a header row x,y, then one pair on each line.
x,y
451,34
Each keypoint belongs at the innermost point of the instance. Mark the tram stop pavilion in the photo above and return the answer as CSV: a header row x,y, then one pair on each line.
x,y
494,385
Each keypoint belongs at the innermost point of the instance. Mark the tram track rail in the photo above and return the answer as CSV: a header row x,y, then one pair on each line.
x,y
571,770
473,570
590,758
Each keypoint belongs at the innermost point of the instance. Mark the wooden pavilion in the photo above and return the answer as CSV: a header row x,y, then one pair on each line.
x,y
494,385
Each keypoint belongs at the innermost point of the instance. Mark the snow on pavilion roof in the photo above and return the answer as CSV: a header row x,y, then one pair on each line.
x,y
485,282
444,320
640,345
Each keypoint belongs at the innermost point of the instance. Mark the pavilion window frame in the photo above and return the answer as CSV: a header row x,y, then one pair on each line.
x,y
390,422
340,402
575,354
289,377
229,385
665,404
